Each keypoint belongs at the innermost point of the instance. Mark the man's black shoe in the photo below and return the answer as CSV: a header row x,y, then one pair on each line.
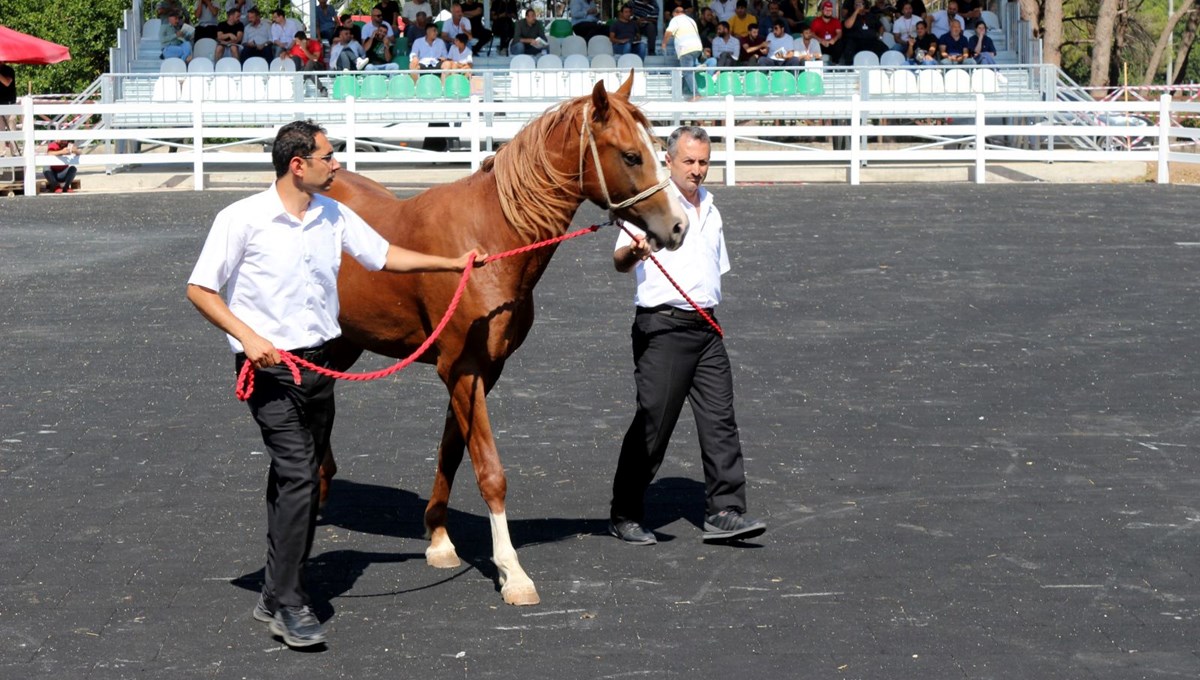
x,y
298,627
261,611
631,532
731,525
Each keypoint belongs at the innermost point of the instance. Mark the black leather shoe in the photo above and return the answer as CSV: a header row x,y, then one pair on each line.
x,y
261,611
298,627
731,525
631,532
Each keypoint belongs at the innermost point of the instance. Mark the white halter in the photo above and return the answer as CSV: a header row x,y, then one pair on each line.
x,y
585,130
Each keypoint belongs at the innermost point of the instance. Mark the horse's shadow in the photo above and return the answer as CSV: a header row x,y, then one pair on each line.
x,y
398,513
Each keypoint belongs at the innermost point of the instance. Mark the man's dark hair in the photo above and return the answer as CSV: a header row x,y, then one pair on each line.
x,y
297,139
754,26
253,10
429,26
343,28
723,23
279,13
740,3
301,35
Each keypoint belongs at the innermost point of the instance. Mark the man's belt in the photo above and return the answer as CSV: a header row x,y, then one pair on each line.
x,y
668,310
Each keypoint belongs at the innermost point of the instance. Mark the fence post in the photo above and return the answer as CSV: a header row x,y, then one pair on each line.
x,y
474,133
351,136
730,163
197,139
30,150
855,139
1164,138
980,139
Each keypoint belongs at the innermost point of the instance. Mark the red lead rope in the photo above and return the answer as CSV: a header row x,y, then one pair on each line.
x,y
245,380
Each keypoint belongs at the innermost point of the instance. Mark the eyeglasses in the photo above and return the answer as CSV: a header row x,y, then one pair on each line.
x,y
328,158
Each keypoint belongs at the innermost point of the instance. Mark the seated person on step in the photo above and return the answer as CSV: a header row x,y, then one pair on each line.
x,y
862,31
415,29
346,51
754,46
457,23
530,37
459,57
480,35
983,50
726,49
428,53
176,38
781,49
954,47
922,50
59,177
809,48
207,12
256,38
378,47
624,34
828,30
229,35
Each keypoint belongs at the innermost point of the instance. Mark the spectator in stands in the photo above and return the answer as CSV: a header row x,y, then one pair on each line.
x,y
683,32
480,35
8,97
283,32
624,34
809,48
428,53
645,12
794,11
982,50
378,47
459,57
457,23
243,6
206,19
971,11
707,26
166,8
904,28
415,30
411,9
828,30
688,6
530,37
325,18
230,34
256,38
176,38
954,47
346,51
941,20
376,22
504,22
585,19
922,50
723,9
774,16
59,177
862,31
305,52
753,46
390,10
781,49
739,24
761,11
726,49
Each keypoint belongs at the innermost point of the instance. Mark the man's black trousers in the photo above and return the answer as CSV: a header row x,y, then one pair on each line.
x,y
677,358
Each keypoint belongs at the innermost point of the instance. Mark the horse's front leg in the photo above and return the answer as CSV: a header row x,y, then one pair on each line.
x,y
441,552
468,400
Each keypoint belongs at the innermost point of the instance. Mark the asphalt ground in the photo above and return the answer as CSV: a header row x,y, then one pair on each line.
x,y
969,416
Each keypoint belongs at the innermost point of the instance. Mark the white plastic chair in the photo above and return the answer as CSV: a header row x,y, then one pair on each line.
x,y
200,65
957,81
282,64
866,58
628,61
602,62
983,81
599,44
929,81
255,65
546,62
166,88
226,87
204,47
904,81
253,87
150,29
991,19
554,45
228,65
522,62
891,58
878,82
172,65
576,62
574,44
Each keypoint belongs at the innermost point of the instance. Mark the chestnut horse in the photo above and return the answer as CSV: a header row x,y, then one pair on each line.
x,y
594,148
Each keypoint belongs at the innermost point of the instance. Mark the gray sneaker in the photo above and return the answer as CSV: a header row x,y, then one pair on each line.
x,y
298,626
261,611
731,525
631,532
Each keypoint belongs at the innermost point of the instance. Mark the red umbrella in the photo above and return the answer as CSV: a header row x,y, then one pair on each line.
x,y
18,48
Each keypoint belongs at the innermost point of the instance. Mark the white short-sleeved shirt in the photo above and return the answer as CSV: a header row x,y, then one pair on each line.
x,y
686,35
696,266
279,273
452,29
463,56
412,8
368,30
429,54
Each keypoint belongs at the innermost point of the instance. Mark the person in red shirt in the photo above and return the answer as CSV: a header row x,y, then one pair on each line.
x,y
59,177
306,53
827,29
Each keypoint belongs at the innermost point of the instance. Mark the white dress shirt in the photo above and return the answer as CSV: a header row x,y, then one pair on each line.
x,y
280,274
286,32
696,266
723,10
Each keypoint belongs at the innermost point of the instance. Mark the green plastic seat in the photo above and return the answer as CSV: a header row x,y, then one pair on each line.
x,y
374,87
705,86
429,86
757,84
809,84
345,86
729,83
783,83
561,28
458,86
400,52
402,87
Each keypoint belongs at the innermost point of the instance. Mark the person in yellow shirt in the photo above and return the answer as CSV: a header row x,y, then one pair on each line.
x,y
739,23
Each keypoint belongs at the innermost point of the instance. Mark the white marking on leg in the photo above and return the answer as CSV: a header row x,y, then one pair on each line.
x,y
515,584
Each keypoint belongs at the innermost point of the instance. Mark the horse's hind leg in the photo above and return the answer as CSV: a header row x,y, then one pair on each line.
x,y
469,404
441,552
342,356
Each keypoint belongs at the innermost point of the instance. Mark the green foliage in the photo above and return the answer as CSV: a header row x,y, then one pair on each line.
x,y
87,27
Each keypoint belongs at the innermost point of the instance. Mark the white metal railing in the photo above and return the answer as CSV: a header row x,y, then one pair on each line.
x,y
978,131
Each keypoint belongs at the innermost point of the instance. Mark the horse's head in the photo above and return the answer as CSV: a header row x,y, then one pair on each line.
x,y
627,177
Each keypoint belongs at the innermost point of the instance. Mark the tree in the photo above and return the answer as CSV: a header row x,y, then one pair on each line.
x,y
1102,42
1161,47
87,27
1052,32
1185,47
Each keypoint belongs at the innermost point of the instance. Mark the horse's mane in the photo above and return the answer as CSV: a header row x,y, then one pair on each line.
x,y
534,194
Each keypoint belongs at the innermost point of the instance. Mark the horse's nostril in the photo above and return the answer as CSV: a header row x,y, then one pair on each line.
x,y
678,228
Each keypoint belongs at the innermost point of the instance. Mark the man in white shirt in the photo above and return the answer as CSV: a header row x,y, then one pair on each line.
x,y
904,27
781,49
942,18
678,355
723,9
457,23
376,22
427,53
686,36
277,255
726,49
346,51
414,7
256,38
283,32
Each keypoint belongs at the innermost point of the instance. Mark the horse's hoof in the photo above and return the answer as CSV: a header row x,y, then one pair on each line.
x,y
442,559
520,596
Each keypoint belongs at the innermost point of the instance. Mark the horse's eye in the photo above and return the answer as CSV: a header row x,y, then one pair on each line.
x,y
632,159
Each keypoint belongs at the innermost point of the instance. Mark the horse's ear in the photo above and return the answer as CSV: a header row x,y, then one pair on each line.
x,y
626,87
599,102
